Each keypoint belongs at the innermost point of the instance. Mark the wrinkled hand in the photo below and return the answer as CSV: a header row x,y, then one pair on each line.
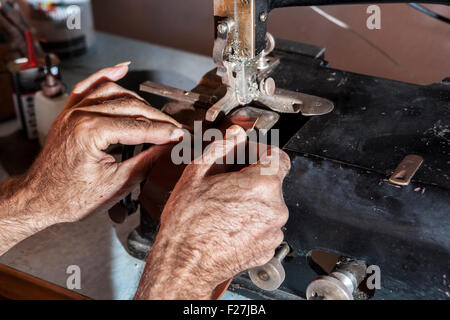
x,y
73,175
216,225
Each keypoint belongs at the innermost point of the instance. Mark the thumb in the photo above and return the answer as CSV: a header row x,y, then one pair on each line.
x,y
216,152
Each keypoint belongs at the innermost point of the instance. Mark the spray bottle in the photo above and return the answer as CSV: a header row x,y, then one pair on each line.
x,y
48,102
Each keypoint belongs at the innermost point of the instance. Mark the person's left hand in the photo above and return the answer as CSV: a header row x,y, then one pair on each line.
x,y
73,171
74,176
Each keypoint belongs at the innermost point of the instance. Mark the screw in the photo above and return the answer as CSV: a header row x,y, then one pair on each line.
x,y
263,16
284,248
222,28
264,276
268,86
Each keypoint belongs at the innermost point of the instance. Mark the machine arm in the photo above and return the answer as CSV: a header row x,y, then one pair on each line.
x,y
296,3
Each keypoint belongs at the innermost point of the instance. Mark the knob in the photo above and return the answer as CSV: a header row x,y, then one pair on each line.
x,y
339,284
270,276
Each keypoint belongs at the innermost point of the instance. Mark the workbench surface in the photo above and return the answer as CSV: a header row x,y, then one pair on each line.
x,y
96,245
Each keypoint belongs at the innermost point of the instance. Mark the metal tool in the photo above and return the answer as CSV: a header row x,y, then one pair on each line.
x,y
266,119
355,145
271,275
245,66
339,284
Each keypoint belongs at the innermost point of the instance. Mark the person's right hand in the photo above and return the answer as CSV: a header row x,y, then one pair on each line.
x,y
216,225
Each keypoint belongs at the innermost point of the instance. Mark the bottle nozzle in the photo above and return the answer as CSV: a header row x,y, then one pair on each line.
x,y
52,86
32,60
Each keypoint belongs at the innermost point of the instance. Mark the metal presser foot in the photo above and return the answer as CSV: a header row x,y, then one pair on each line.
x,y
248,80
244,81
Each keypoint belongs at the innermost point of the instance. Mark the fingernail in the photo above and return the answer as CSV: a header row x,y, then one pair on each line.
x,y
116,72
123,64
233,130
177,134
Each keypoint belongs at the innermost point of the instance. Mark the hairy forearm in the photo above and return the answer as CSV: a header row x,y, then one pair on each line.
x,y
172,275
20,213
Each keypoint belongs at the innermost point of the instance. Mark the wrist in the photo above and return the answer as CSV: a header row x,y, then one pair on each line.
x,y
171,275
21,214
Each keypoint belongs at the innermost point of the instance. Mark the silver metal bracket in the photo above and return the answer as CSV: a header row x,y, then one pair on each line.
x,y
248,80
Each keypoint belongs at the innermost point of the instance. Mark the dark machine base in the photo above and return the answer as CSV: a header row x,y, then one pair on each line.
x,y
338,194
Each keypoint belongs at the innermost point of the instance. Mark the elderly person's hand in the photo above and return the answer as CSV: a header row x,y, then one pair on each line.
x,y
217,224
73,176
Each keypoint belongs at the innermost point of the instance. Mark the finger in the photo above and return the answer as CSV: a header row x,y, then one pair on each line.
x,y
128,131
108,74
112,74
272,162
130,107
138,168
216,152
232,157
268,244
107,91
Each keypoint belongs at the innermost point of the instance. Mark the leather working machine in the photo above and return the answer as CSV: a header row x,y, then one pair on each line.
x,y
370,177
